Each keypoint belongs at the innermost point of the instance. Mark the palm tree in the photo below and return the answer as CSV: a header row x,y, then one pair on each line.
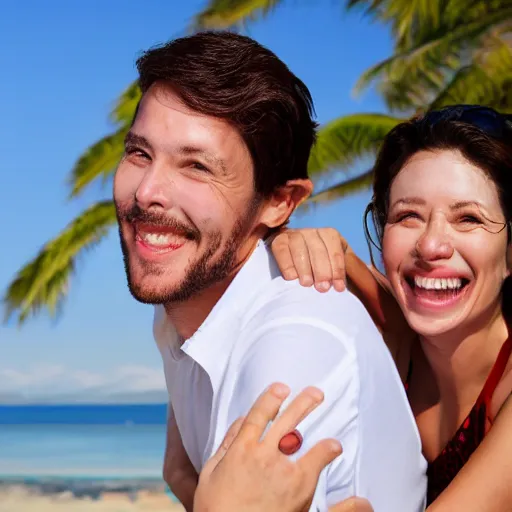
x,y
43,282
445,52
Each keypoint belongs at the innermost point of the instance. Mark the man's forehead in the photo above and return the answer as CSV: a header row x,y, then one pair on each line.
x,y
163,99
163,122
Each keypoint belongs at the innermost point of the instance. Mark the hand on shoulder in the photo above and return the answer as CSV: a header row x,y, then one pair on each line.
x,y
314,256
255,475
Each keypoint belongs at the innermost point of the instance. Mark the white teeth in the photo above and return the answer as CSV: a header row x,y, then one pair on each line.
x,y
158,238
430,283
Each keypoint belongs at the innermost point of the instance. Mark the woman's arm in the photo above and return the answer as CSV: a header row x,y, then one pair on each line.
x,y
485,482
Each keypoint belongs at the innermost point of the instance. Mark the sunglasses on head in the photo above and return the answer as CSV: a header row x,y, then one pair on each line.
x,y
486,119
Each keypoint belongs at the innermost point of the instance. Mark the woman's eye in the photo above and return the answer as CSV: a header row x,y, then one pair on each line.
x,y
406,216
470,219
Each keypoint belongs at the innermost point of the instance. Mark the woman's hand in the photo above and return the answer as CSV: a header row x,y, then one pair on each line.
x,y
249,472
314,256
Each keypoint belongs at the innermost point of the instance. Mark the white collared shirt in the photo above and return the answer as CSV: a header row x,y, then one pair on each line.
x,y
265,329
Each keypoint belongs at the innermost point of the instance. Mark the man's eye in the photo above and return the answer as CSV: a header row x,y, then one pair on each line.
x,y
199,166
131,151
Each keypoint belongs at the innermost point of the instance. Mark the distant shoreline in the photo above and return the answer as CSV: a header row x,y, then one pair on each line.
x,y
77,487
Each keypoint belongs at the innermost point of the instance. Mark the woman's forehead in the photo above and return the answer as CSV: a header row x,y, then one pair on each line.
x,y
444,177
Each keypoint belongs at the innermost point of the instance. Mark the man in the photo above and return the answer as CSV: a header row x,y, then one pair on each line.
x,y
215,161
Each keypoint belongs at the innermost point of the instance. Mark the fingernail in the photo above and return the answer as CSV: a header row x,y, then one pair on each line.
x,y
316,394
339,285
323,286
290,275
306,280
335,446
280,390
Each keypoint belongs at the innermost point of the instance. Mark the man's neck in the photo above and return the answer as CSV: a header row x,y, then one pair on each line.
x,y
189,315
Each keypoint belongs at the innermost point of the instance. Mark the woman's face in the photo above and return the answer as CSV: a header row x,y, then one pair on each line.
x,y
445,243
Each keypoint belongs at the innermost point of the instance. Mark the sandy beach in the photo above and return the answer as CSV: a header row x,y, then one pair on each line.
x,y
19,498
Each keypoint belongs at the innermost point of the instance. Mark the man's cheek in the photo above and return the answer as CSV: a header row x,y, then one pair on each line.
x,y
207,214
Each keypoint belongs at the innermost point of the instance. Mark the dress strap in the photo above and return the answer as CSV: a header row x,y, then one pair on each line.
x,y
497,372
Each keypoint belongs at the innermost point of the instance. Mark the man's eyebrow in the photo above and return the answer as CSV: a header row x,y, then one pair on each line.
x,y
207,156
136,140
409,200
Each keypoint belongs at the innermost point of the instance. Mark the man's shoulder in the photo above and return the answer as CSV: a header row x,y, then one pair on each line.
x,y
288,301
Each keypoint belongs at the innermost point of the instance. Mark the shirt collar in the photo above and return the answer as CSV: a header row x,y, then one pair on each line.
x,y
211,344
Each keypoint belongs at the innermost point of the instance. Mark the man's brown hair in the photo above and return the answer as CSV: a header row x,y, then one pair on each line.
x,y
226,75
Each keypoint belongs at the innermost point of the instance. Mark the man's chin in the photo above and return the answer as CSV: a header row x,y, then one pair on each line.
x,y
148,292
146,298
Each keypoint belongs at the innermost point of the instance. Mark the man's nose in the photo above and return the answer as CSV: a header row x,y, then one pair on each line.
x,y
155,189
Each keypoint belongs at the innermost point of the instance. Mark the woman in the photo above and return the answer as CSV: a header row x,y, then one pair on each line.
x,y
442,209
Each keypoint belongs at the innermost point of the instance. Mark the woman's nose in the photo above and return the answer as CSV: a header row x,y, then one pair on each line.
x,y
435,243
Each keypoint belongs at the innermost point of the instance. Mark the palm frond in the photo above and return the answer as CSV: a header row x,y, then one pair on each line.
x,y
425,69
487,81
100,159
346,139
228,13
414,21
344,189
125,106
43,283
410,20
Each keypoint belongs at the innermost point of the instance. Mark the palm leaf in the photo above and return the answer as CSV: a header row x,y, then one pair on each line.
x,y
409,19
425,69
100,159
414,21
44,282
126,104
228,13
344,189
487,81
346,139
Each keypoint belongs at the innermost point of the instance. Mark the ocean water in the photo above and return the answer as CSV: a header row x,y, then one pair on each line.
x,y
82,442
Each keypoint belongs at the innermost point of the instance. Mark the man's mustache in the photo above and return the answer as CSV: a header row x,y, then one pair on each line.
x,y
135,214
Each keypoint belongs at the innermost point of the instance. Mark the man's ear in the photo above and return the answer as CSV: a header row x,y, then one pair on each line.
x,y
284,201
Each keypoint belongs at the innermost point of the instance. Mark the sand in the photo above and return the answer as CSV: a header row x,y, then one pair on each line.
x,y
18,498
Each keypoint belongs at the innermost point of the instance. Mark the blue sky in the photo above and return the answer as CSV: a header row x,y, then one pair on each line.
x,y
63,65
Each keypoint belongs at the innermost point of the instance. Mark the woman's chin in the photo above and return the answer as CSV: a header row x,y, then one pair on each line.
x,y
431,326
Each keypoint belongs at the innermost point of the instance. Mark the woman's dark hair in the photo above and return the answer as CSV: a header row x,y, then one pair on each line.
x,y
492,154
233,77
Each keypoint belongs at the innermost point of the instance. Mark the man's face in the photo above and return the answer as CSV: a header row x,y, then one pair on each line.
x,y
185,200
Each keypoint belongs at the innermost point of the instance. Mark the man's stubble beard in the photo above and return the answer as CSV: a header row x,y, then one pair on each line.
x,y
202,274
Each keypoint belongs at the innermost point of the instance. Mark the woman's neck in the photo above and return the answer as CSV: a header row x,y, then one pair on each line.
x,y
462,359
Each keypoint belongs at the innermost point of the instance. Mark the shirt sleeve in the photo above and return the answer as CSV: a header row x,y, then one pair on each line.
x,y
301,354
